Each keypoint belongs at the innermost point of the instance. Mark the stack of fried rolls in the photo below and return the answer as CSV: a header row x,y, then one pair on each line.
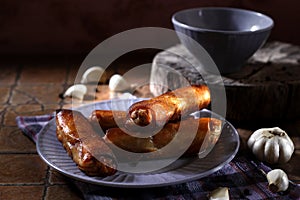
x,y
164,114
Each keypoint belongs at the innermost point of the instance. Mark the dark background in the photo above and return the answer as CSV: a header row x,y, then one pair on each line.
x,y
60,27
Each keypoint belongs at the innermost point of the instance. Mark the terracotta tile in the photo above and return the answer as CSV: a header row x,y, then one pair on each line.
x,y
63,192
49,108
42,94
22,97
27,110
2,111
4,91
8,75
12,140
43,73
2,108
21,110
21,192
22,168
72,74
57,178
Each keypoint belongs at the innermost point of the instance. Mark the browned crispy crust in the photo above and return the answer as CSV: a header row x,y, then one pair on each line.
x,y
108,118
202,128
170,106
121,139
83,144
192,131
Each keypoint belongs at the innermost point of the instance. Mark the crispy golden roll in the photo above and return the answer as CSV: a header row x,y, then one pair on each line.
x,y
208,129
108,118
83,144
127,142
170,106
193,131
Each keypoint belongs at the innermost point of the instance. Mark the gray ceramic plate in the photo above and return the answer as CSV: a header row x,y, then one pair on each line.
x,y
183,170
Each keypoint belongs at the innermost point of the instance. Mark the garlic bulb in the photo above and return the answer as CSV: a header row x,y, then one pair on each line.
x,y
94,75
118,84
220,193
278,180
77,91
271,145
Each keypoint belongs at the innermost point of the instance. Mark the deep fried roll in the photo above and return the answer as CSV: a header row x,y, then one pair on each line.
x,y
108,118
121,139
187,137
83,144
170,106
205,129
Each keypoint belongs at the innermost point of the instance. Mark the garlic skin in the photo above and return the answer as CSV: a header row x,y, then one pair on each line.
x,y
94,75
118,84
271,145
278,180
220,193
77,91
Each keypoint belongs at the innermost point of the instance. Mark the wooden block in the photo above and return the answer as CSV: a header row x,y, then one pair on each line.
x,y
267,88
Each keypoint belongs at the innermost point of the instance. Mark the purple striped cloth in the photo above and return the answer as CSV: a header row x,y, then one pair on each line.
x,y
242,176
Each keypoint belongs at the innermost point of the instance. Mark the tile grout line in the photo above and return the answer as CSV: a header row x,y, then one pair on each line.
x,y
60,104
18,75
18,153
12,87
46,183
21,184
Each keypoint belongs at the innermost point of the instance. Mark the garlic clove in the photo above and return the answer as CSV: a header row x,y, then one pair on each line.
x,y
285,155
258,148
94,75
272,150
278,180
117,83
220,193
127,95
77,91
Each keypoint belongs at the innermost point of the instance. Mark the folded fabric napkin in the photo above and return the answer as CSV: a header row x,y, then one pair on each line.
x,y
242,176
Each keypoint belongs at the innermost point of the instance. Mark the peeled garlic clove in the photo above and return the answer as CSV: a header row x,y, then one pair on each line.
x,y
278,180
77,91
220,193
94,75
118,84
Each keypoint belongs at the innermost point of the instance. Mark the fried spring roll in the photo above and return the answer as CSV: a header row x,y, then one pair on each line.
x,y
121,139
83,144
207,129
170,106
108,118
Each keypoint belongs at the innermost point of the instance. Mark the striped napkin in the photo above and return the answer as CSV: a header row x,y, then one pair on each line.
x,y
242,176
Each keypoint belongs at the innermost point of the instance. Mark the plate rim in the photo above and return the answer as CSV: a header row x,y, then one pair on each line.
x,y
93,180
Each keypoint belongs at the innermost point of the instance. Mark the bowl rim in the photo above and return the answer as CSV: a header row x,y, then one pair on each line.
x,y
189,27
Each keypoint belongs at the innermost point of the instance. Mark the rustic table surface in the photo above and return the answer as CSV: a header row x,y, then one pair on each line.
x,y
31,86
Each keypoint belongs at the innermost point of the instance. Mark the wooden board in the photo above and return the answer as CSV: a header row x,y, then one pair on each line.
x,y
267,88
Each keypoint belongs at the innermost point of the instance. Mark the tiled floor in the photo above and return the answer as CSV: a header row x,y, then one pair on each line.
x,y
33,88
30,90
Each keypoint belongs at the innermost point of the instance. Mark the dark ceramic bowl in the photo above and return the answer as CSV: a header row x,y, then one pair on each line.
x,y
230,35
